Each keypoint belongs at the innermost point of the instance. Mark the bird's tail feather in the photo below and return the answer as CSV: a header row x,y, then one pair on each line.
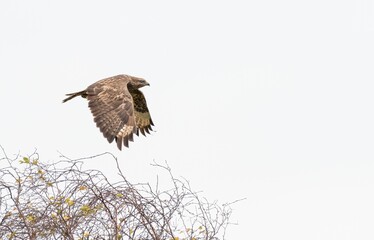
x,y
73,95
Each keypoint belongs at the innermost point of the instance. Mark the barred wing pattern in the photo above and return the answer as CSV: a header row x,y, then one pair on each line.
x,y
119,109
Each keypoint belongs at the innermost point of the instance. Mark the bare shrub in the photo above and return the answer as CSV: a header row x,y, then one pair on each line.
x,y
62,201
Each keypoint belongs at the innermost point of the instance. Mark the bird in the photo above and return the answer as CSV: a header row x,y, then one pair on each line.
x,y
118,106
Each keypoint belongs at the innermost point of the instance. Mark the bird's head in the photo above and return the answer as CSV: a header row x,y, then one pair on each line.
x,y
138,82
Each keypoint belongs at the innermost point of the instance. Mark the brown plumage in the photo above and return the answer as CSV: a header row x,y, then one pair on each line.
x,y
118,107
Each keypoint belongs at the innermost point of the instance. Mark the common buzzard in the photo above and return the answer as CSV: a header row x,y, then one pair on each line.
x,y
118,107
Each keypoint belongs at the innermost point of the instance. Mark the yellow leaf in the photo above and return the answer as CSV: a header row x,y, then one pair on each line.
x,y
85,209
26,160
86,234
35,162
66,217
69,202
30,218
82,188
119,195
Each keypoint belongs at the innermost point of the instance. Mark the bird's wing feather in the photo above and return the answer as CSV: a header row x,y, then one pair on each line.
x,y
112,107
142,116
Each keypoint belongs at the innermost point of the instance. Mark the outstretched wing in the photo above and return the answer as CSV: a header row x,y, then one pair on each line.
x,y
112,107
143,118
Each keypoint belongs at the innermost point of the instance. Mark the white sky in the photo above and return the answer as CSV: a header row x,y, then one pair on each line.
x,y
268,100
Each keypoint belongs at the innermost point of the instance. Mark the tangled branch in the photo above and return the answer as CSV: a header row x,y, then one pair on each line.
x,y
62,201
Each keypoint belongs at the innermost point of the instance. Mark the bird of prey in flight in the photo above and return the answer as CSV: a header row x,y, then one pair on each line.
x,y
118,106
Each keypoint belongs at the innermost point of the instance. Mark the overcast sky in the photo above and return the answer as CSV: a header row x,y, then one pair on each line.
x,y
266,100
